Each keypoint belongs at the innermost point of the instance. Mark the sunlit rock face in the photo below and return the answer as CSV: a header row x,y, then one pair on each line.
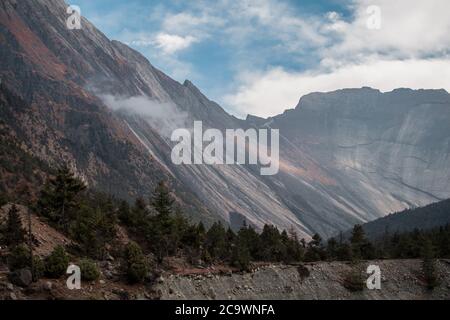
x,y
376,152
346,157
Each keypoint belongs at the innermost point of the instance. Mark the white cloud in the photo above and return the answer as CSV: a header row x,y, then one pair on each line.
x,y
267,94
171,43
187,23
408,29
337,50
410,50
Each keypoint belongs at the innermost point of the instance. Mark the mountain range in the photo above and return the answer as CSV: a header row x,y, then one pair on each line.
x,y
74,96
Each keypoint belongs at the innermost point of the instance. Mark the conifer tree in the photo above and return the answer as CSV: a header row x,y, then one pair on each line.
x,y
14,232
216,241
315,251
240,257
125,213
58,199
162,200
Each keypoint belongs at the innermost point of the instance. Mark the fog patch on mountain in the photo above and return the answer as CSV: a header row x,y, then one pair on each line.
x,y
164,117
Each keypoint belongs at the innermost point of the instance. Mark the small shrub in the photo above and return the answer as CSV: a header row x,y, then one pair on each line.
x,y
240,257
89,270
430,273
429,268
135,263
56,263
354,281
38,268
303,272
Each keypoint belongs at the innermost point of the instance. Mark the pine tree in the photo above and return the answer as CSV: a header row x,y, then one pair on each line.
x,y
216,241
332,249
252,241
58,199
292,249
240,257
14,232
357,240
315,251
272,246
162,200
125,213
162,231
139,214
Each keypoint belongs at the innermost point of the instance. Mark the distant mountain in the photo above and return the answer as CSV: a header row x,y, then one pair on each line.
x,y
425,218
346,157
353,155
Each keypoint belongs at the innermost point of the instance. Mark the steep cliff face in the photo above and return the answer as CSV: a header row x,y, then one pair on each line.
x,y
375,152
50,73
79,87
346,157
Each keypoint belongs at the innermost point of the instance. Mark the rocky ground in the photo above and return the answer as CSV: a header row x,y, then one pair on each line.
x,y
401,279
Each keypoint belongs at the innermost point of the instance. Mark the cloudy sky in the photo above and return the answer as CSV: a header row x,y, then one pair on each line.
x,y
260,56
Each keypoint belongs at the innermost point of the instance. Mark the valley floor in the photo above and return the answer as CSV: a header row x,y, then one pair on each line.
x,y
400,280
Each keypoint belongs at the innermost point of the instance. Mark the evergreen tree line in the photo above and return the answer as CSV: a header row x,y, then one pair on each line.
x,y
92,219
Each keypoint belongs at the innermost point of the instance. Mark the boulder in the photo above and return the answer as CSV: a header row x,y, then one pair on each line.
x,y
22,277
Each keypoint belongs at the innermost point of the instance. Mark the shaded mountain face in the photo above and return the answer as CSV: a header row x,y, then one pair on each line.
x,y
345,157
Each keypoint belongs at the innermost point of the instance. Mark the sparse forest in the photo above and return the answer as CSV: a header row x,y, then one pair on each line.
x,y
158,228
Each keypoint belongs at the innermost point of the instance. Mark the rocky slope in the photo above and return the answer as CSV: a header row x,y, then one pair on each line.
x,y
67,79
400,280
353,155
346,157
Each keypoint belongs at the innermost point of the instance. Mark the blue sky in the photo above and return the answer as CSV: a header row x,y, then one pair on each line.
x,y
260,56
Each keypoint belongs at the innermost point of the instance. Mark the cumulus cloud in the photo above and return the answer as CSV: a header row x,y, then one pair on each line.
x,y
171,43
269,93
409,50
278,52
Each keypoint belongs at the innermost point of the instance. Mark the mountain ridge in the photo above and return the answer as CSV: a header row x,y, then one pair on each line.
x,y
432,216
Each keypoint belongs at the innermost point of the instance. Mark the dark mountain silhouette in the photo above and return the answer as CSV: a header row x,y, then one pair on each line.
x,y
425,218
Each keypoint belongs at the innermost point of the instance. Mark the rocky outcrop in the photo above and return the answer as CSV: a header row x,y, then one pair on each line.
x,y
400,279
354,155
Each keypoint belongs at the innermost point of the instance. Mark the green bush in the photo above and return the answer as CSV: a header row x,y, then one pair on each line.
x,y
240,257
19,258
135,263
303,272
430,274
38,268
89,270
354,281
56,263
